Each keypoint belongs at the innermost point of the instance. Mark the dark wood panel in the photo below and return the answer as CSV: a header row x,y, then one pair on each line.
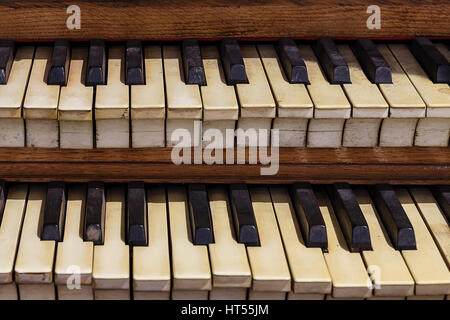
x,y
212,19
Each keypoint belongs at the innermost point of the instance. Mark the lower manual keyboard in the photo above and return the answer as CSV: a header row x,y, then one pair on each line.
x,y
257,251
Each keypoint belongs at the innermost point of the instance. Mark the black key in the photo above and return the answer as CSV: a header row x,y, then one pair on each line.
x,y
442,195
96,69
94,218
293,64
244,217
2,199
332,62
6,59
137,214
372,61
394,217
232,61
309,216
351,219
194,72
59,63
431,59
54,212
202,232
134,63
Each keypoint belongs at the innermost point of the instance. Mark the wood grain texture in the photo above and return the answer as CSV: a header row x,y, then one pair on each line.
x,y
354,165
212,19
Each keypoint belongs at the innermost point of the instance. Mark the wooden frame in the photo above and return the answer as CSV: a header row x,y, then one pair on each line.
x,y
415,165
213,19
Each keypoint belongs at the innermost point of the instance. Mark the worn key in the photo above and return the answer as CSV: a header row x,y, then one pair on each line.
x,y
293,64
442,195
59,63
431,59
394,217
372,61
233,63
94,218
244,217
6,59
200,214
54,212
134,63
332,62
309,216
194,72
96,69
137,214
351,219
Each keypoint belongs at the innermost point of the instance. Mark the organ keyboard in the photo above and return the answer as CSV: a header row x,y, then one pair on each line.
x,y
282,264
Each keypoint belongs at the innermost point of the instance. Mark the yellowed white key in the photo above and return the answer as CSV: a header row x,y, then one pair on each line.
x,y
190,263
368,106
40,104
148,106
405,106
153,279
111,270
10,227
12,129
389,272
112,105
434,219
434,130
331,107
274,276
426,264
294,105
34,262
348,272
75,105
220,106
257,106
307,265
74,257
184,102
229,263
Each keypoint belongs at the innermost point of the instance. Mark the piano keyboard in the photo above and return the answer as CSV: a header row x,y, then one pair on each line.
x,y
235,241
353,94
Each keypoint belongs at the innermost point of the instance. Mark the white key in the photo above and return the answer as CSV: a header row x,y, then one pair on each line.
x,y
34,263
148,106
184,102
111,270
220,106
112,105
75,106
257,106
74,257
12,128
331,107
294,105
10,227
40,104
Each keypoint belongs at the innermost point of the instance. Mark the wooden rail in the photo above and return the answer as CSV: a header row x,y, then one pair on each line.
x,y
213,19
354,165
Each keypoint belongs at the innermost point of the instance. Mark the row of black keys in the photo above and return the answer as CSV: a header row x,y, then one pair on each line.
x,y
348,212
333,64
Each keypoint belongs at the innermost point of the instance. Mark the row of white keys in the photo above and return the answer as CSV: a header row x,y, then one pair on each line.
x,y
434,130
75,106
40,104
148,107
331,107
369,107
231,274
111,268
34,262
294,106
153,280
12,126
74,257
10,227
184,103
112,105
